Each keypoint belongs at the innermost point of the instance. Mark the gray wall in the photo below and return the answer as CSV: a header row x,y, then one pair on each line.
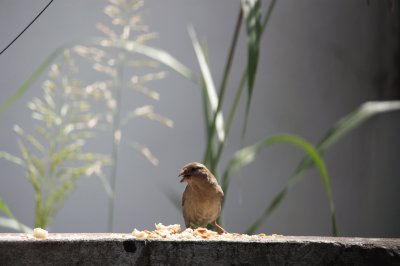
x,y
319,61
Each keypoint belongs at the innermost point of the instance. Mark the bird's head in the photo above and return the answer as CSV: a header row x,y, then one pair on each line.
x,y
194,172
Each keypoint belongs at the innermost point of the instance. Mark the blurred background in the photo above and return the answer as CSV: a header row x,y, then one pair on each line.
x,y
319,60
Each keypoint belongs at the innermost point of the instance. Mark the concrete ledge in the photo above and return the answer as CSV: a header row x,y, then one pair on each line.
x,y
123,249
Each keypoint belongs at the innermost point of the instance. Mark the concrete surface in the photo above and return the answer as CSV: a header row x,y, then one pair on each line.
x,y
123,249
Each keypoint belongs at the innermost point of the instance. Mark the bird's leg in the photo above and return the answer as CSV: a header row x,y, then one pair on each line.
x,y
220,230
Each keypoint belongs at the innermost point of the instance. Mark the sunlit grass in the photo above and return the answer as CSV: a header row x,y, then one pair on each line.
x,y
53,157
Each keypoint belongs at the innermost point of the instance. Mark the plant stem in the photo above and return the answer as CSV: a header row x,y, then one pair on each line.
x,y
268,15
241,87
230,59
232,115
209,153
228,128
116,140
228,65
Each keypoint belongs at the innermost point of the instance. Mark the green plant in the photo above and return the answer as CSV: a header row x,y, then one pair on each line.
x,y
121,59
53,157
120,72
217,128
217,131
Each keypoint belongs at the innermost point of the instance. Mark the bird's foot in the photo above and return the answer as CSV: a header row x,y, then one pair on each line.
x,y
220,230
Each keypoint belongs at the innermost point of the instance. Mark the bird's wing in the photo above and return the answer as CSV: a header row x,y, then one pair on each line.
x,y
183,196
184,211
221,192
221,196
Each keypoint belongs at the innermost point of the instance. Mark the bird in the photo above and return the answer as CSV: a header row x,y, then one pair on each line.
x,y
202,198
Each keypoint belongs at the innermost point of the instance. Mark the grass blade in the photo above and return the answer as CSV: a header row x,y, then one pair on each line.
x,y
248,154
209,129
241,86
106,185
4,208
154,53
14,225
228,64
162,57
209,84
354,119
32,78
339,130
252,15
273,205
11,222
268,14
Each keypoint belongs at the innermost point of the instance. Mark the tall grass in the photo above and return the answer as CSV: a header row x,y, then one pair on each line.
x,y
124,64
218,129
111,55
53,157
120,72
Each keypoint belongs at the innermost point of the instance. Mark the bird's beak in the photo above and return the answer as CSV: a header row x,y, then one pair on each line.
x,y
183,175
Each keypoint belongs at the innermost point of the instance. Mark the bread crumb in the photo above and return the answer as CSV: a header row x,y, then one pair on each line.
x,y
40,233
174,232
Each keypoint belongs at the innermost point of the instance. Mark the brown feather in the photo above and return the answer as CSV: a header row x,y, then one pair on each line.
x,y
202,198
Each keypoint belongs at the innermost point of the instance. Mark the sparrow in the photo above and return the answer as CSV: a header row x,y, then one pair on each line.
x,y
202,198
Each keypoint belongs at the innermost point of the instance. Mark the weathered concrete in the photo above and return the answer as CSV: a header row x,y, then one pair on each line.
x,y
122,249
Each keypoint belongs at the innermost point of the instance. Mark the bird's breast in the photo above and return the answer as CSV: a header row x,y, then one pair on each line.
x,y
201,207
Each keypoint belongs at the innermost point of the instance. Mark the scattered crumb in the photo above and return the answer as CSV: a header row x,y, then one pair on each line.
x,y
40,233
24,236
174,232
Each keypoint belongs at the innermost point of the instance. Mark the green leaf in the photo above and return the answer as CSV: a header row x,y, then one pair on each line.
x,y
11,222
248,154
272,206
252,15
345,125
268,14
354,119
107,187
209,84
162,57
14,225
339,130
154,53
31,79
4,208
241,86
209,129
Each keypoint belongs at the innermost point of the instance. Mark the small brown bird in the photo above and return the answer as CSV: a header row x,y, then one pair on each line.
x,y
202,198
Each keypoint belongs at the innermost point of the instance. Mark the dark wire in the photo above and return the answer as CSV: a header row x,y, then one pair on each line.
x,y
27,27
